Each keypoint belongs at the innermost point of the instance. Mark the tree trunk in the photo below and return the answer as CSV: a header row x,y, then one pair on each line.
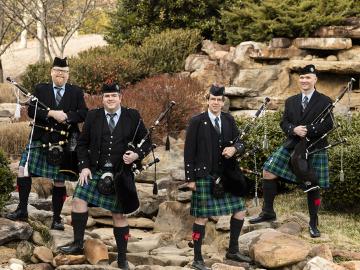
x,y
23,36
1,72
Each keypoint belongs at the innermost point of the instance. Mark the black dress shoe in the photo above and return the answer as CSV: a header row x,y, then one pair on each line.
x,y
18,215
237,257
200,265
74,249
262,218
314,232
57,225
123,265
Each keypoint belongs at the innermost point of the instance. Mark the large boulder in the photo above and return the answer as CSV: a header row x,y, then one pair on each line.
x,y
318,263
14,230
323,43
95,251
345,31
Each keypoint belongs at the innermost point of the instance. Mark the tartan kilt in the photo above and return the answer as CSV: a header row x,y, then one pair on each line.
x,y
203,204
38,165
278,164
90,194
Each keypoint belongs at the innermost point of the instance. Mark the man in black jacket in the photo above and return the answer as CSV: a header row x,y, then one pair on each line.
x,y
66,108
299,126
209,153
103,150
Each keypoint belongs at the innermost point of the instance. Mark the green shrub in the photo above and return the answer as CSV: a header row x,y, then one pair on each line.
x,y
36,73
6,180
134,20
263,20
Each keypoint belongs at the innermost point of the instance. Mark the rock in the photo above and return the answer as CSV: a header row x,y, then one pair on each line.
x,y
195,61
43,188
24,251
86,267
184,197
17,261
172,250
221,266
241,54
331,58
276,249
7,109
308,57
43,254
14,230
338,67
143,223
115,264
211,47
318,263
149,243
103,233
61,238
223,223
15,266
246,239
99,212
346,254
277,53
240,91
209,73
173,217
95,251
292,228
280,43
351,265
322,251
158,267
352,54
323,43
6,254
39,266
346,31
168,260
62,259
37,238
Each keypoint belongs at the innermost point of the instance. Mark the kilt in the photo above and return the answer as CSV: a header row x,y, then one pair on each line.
x,y
38,165
278,164
90,194
203,204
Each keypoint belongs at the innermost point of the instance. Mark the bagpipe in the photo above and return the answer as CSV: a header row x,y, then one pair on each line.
x,y
122,184
59,139
299,159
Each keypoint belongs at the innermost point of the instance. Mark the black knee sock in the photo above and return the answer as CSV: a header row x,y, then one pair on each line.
x,y
313,198
198,236
121,236
58,199
24,187
270,191
78,221
235,229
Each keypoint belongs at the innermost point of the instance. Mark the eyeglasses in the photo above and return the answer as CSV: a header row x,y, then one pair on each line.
x,y
60,70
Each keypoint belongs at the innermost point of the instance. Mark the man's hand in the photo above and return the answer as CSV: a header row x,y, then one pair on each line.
x,y
59,116
84,176
192,186
301,131
228,152
130,156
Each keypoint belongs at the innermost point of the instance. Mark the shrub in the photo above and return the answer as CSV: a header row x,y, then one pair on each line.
x,y
263,20
6,180
134,20
152,96
14,137
36,73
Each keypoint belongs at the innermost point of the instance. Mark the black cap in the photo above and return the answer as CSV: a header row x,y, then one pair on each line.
x,y
110,88
309,69
58,62
217,90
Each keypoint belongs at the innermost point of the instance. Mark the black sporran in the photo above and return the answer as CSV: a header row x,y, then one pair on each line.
x,y
217,187
105,184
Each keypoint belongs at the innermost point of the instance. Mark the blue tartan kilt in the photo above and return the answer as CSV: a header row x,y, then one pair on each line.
x,y
278,164
38,165
89,193
203,204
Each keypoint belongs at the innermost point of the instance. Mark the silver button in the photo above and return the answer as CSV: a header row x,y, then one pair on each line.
x,y
109,148
109,155
110,142
204,167
111,136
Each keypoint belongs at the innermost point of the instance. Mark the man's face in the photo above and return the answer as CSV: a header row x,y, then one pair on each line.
x,y
112,101
60,75
307,82
215,104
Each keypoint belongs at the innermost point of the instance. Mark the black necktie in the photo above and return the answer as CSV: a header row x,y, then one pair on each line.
x,y
58,96
305,102
217,126
111,121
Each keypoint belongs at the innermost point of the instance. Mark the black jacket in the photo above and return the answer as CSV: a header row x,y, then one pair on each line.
x,y
72,103
197,151
293,116
89,143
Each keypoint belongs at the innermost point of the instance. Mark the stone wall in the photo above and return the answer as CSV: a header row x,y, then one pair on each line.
x,y
251,71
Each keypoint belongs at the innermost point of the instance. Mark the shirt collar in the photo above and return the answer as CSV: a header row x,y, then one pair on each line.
x,y
309,95
213,116
118,112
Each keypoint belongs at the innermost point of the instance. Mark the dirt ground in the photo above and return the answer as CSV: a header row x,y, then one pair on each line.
x,y
16,60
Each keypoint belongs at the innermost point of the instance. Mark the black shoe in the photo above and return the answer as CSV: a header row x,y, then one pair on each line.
x,y
200,265
314,232
237,257
17,215
57,225
123,265
74,249
262,218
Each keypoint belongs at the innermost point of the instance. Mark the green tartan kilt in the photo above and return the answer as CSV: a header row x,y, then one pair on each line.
x,y
38,165
203,204
278,164
90,194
